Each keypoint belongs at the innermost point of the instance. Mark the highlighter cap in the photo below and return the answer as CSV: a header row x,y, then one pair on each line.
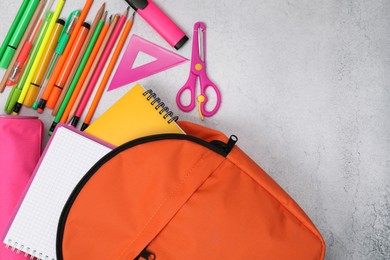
x,y
7,57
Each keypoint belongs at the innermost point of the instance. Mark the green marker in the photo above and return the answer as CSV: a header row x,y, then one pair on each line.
x,y
17,90
13,27
77,75
18,33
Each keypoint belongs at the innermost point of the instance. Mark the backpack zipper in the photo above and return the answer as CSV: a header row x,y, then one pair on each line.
x,y
216,145
145,255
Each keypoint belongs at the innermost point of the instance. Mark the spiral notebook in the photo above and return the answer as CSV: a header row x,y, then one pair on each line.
x,y
138,113
66,159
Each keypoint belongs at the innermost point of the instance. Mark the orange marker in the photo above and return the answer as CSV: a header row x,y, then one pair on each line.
x,y
62,60
108,72
68,66
88,66
94,65
79,58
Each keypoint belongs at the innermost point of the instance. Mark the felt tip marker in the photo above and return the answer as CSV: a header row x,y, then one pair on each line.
x,y
160,22
18,34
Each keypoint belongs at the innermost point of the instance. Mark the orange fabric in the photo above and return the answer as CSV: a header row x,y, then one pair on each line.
x,y
182,200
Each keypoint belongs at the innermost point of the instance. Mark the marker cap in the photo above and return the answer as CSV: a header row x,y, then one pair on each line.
x,y
33,92
7,57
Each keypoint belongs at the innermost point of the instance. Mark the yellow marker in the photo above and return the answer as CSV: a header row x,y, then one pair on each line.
x,y
42,48
37,80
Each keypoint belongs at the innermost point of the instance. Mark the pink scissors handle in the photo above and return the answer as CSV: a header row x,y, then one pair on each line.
x,y
205,83
190,86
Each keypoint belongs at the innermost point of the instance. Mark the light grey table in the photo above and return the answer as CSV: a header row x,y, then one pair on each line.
x,y
305,87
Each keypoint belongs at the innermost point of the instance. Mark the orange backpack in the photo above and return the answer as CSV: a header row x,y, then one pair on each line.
x,y
194,196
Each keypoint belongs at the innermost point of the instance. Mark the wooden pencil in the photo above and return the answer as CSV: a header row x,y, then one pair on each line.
x,y
94,65
91,59
108,72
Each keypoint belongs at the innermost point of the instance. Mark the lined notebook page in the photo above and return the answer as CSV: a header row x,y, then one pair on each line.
x,y
66,160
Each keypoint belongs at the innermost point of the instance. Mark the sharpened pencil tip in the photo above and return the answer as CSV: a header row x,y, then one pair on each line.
x,y
132,17
104,16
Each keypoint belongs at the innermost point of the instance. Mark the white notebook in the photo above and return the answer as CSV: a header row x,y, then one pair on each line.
x,y
67,158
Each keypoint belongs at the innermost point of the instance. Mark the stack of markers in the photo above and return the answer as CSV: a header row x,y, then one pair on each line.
x,y
56,64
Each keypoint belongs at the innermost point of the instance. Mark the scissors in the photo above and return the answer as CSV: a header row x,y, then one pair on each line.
x,y
198,69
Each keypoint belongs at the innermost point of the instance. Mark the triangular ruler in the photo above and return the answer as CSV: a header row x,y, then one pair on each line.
x,y
126,73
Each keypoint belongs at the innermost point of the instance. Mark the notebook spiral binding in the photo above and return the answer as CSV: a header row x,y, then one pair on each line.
x,y
160,105
15,246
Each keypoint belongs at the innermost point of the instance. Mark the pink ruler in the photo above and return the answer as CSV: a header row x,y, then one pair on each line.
x,y
125,72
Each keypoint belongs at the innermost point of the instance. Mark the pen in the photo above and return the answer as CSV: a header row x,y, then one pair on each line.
x,y
25,37
17,68
40,47
80,82
39,31
99,68
38,77
18,34
66,69
108,72
19,86
63,41
50,85
87,80
80,62
83,67
14,24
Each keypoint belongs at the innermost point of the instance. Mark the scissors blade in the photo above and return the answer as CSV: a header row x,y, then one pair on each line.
x,y
201,43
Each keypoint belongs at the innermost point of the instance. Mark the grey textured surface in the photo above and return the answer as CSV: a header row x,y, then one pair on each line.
x,y
305,87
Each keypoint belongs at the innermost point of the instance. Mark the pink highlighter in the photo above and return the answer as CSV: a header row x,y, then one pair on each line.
x,y
159,21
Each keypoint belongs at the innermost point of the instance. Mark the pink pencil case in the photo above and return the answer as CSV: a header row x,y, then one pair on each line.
x,y
20,148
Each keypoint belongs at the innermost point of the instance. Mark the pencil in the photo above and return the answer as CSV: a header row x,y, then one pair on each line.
x,y
29,32
91,60
94,65
99,68
62,60
108,72
37,58
64,91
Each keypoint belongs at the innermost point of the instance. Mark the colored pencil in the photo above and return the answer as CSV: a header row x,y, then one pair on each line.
x,y
62,60
85,72
108,72
94,65
99,68
64,91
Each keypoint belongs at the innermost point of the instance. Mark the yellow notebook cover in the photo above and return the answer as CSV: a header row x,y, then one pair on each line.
x,y
138,113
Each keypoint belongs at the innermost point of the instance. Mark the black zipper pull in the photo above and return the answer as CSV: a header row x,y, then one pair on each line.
x,y
145,255
225,148
230,144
